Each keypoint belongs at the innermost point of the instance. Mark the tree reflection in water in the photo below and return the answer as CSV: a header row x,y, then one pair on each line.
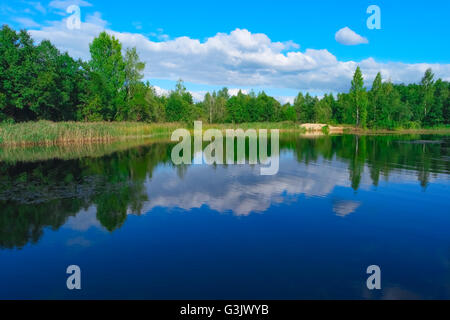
x,y
39,194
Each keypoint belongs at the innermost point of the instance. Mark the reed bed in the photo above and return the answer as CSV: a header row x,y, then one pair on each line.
x,y
49,133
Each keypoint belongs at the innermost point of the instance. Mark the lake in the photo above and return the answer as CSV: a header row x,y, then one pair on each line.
x,y
140,227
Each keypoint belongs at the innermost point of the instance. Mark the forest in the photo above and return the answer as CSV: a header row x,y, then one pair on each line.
x,y
38,82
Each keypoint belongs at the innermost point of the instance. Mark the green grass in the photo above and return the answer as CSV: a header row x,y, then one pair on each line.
x,y
282,126
49,133
60,133
444,129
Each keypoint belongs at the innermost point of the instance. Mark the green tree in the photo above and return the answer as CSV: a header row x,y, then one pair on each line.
x,y
37,81
155,104
299,103
267,108
107,62
322,110
133,71
427,94
394,113
208,104
359,98
375,97
179,104
435,114
136,107
304,107
446,106
410,96
237,112
288,113
340,109
17,54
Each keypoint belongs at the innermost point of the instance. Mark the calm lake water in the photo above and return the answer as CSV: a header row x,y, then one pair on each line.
x,y
140,227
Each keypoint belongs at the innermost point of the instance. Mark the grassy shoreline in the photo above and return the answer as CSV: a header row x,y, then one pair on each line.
x,y
47,133
437,130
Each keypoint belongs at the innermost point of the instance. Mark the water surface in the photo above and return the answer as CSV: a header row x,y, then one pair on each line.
x,y
140,227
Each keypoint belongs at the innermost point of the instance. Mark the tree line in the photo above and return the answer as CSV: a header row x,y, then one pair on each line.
x,y
38,82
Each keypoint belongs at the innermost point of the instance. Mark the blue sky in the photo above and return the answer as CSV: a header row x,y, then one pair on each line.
x,y
296,52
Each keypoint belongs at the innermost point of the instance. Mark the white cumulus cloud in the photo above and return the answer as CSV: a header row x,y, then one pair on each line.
x,y
236,59
349,37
